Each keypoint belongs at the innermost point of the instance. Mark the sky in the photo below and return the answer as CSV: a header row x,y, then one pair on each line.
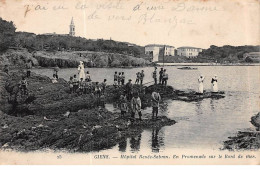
x,y
198,23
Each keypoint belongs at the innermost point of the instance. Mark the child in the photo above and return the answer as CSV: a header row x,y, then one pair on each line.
x,y
97,90
54,79
81,85
75,83
123,104
119,78
137,78
88,76
136,106
123,79
103,86
71,84
102,100
23,86
115,83
115,77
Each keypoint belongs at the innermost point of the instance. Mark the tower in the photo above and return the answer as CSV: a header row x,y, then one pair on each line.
x,y
72,28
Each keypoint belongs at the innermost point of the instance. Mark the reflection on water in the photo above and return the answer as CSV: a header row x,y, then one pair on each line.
x,y
135,142
200,125
157,139
122,144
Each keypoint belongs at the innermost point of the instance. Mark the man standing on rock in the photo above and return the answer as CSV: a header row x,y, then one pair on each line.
x,y
141,77
28,68
160,76
165,78
156,98
128,89
136,106
155,76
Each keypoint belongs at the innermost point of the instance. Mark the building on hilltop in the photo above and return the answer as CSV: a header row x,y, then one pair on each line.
x,y
154,50
72,28
190,52
71,32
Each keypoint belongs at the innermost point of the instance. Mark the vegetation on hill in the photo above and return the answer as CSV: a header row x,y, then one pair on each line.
x,y
225,54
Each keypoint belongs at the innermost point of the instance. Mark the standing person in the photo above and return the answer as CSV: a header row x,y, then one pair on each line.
x,y
155,76
214,82
136,106
129,89
119,78
123,79
88,77
71,84
137,78
28,68
24,84
81,71
141,77
160,76
115,77
55,71
165,77
103,86
156,98
81,86
200,80
97,90
123,104
75,84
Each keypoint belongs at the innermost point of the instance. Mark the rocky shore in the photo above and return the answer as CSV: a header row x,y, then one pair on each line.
x,y
52,118
49,117
245,140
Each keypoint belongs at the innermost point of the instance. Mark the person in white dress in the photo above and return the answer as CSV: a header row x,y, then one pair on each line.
x,y
200,80
81,71
214,82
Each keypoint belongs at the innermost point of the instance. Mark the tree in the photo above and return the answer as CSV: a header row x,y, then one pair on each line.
x,y
7,32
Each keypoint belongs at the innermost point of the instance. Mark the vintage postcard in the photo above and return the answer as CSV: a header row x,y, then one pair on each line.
x,y
140,82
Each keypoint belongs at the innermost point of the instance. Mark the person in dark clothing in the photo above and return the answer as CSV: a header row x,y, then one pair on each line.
x,y
129,89
23,86
160,76
75,83
28,68
165,77
155,77
115,77
142,77
123,79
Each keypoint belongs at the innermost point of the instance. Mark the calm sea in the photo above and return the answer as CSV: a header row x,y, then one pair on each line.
x,y
200,125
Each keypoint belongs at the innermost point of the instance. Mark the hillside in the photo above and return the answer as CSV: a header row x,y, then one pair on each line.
x,y
226,54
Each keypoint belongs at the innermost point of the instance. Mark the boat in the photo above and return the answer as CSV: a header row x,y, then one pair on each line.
x,y
187,68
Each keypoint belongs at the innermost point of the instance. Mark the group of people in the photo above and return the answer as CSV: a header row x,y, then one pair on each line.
x,y
81,86
139,77
214,83
136,104
163,76
119,79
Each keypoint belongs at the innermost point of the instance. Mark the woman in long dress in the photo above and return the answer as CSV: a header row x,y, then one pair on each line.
x,y
214,82
81,71
200,80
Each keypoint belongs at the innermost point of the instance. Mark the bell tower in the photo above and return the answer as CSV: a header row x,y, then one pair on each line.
x,y
72,28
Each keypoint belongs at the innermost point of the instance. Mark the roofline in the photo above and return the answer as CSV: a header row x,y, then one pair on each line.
x,y
157,45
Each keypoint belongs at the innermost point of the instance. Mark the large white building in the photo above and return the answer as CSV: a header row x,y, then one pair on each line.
x,y
154,50
190,52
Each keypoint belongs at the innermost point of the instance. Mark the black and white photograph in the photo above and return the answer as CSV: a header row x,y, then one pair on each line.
x,y
129,82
